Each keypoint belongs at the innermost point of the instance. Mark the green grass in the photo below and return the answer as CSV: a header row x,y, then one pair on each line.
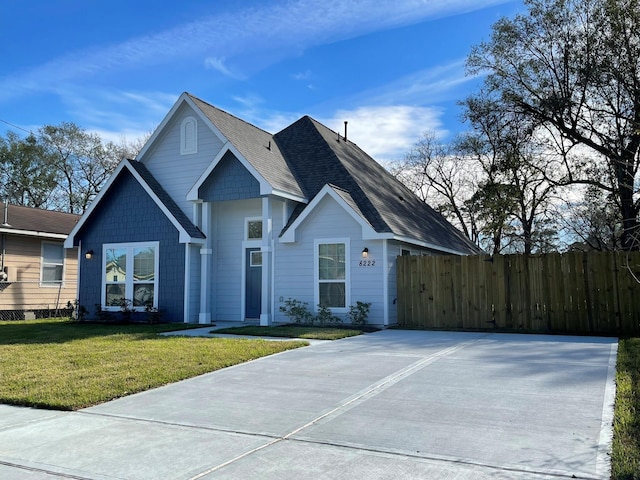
x,y
625,455
292,331
64,365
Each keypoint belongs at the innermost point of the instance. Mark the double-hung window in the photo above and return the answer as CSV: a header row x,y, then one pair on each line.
x,y
130,275
332,274
52,264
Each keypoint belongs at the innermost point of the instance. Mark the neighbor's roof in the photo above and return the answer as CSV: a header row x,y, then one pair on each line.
x,y
36,222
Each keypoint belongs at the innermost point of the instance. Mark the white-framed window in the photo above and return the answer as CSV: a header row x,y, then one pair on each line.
x,y
332,274
52,264
255,259
130,273
253,229
188,136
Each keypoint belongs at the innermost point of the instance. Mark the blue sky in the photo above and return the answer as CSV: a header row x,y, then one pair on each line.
x,y
392,69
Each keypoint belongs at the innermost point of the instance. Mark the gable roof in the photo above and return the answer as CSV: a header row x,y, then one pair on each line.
x,y
254,145
187,230
319,156
36,222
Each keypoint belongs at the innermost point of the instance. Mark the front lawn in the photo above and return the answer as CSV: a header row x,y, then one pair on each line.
x,y
625,455
292,331
65,365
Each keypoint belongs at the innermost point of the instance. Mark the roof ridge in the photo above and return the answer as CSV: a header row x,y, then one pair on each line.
x,y
44,210
193,97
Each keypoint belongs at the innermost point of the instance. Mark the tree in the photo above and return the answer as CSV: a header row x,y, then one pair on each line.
x,y
573,67
27,176
515,198
441,178
83,163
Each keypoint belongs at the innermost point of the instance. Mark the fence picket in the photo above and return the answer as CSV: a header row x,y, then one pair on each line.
x,y
574,292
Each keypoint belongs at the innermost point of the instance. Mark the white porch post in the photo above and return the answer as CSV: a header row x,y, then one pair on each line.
x,y
266,249
206,255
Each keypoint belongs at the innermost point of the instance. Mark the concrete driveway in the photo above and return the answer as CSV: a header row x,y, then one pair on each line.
x,y
392,404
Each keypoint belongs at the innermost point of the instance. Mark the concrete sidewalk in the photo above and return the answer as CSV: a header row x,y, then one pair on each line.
x,y
392,404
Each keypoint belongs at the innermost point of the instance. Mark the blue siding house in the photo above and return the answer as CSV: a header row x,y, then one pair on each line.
x,y
217,219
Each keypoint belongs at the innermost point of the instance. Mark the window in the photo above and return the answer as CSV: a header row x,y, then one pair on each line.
x,y
52,264
255,259
254,229
188,136
332,274
130,272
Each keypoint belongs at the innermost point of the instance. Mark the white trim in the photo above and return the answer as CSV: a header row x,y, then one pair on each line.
x,y
246,227
192,146
128,281
34,233
385,283
265,187
184,237
347,272
184,98
368,233
54,284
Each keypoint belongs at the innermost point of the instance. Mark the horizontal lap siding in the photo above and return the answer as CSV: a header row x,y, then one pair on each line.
x,y
178,173
228,221
23,292
295,276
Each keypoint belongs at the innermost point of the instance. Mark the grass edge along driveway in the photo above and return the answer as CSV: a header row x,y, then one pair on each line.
x,y
64,365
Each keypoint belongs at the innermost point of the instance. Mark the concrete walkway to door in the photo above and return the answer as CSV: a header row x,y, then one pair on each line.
x,y
391,404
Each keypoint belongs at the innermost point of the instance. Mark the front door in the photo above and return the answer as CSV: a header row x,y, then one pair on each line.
x,y
253,283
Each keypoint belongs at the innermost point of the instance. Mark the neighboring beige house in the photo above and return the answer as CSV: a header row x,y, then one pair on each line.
x,y
38,276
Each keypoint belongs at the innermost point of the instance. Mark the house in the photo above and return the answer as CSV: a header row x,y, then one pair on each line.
x,y
217,219
38,276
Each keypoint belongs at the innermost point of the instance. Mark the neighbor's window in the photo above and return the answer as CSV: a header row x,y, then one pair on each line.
x,y
188,136
332,275
130,272
254,229
52,264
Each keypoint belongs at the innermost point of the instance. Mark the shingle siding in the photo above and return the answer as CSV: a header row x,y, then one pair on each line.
x,y
129,215
230,180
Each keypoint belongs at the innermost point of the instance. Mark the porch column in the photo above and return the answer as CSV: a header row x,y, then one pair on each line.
x,y
206,256
267,253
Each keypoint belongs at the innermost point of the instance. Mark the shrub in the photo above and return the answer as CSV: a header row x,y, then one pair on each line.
x,y
358,313
325,317
297,311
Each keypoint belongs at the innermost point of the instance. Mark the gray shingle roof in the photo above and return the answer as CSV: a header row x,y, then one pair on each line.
x,y
255,145
29,219
306,156
318,156
166,200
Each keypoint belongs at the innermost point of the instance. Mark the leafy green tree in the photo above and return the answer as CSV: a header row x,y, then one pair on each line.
x,y
27,175
514,201
573,67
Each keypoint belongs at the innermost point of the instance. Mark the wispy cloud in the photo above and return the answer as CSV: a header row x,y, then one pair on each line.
x,y
283,27
218,64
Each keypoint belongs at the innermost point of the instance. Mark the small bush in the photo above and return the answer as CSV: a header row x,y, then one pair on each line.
x,y
358,313
325,317
297,311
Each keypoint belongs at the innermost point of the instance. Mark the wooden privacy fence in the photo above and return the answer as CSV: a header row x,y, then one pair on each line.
x,y
580,293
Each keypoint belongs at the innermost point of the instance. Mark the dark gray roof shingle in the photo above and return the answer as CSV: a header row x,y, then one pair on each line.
x,y
37,220
166,200
255,145
318,156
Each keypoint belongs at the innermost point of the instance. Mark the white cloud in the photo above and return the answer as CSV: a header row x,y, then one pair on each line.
x,y
386,133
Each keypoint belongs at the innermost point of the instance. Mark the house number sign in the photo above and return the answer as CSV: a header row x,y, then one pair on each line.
x,y
367,263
